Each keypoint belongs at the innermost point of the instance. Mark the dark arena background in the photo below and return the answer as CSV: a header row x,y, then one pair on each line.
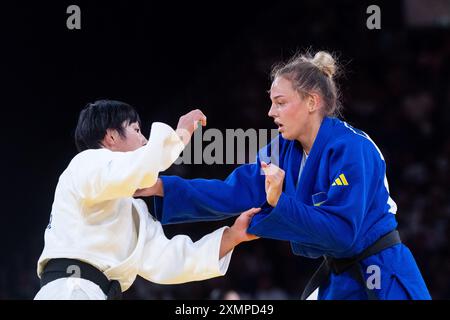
x,y
170,57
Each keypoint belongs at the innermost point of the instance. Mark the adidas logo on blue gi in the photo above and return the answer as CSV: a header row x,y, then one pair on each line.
x,y
340,181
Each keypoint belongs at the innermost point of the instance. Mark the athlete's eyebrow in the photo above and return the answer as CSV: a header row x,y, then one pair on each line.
x,y
278,96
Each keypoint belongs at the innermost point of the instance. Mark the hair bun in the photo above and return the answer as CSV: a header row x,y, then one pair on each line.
x,y
325,62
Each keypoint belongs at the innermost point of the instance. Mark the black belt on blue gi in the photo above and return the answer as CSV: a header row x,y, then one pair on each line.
x,y
66,268
352,265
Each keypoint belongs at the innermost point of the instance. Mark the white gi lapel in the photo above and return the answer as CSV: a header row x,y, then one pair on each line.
x,y
129,267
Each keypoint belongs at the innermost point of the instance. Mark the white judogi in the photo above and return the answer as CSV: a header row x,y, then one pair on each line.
x,y
95,219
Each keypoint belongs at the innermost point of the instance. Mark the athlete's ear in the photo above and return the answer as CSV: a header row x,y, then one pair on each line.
x,y
111,138
313,101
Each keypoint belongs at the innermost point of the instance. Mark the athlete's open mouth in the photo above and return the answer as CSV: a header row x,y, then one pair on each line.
x,y
280,126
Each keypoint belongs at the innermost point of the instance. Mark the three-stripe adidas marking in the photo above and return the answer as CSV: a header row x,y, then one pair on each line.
x,y
340,181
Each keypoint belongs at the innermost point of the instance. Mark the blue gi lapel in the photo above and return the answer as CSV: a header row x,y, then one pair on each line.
x,y
303,190
291,166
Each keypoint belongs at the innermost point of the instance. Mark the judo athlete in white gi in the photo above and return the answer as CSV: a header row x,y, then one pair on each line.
x,y
99,237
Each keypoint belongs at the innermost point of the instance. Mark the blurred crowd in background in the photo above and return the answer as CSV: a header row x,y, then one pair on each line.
x,y
395,87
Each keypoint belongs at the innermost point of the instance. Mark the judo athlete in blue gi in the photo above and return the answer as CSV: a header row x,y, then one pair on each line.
x,y
326,192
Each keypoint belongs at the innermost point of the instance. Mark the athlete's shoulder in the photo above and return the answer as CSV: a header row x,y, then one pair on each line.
x,y
91,153
88,157
344,132
351,138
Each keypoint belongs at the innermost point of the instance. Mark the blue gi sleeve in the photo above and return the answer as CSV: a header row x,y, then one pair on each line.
x,y
202,200
335,221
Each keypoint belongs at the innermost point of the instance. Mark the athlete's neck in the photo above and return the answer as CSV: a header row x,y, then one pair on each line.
x,y
307,139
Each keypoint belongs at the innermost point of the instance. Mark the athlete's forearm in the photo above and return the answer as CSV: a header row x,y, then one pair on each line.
x,y
237,233
229,241
156,190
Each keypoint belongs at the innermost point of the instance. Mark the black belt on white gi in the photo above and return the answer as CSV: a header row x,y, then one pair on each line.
x,y
65,268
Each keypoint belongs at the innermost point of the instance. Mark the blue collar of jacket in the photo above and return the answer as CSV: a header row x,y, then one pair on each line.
x,y
311,166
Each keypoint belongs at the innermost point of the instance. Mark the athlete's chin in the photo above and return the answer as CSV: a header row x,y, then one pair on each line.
x,y
286,135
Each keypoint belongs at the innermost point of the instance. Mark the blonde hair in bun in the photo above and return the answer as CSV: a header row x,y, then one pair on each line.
x,y
325,62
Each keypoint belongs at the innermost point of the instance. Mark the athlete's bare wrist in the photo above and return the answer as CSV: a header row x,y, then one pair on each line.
x,y
159,188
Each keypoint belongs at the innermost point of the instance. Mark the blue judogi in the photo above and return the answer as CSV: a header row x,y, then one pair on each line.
x,y
338,207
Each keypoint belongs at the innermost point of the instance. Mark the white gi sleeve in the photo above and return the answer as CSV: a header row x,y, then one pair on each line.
x,y
104,175
179,259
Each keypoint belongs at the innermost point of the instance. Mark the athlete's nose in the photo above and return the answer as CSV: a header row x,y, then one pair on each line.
x,y
271,111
